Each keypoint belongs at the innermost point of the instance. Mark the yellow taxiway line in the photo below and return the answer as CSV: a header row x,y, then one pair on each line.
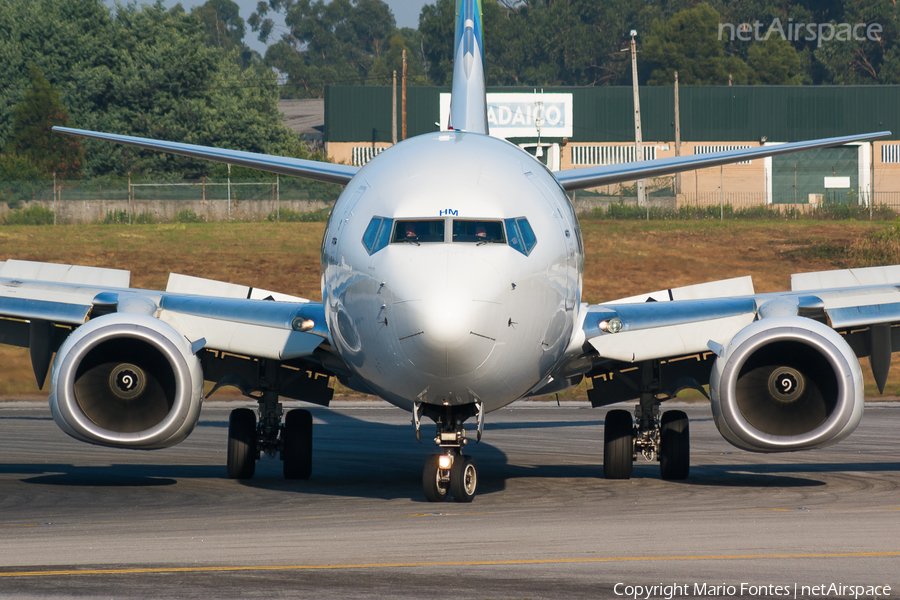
x,y
462,563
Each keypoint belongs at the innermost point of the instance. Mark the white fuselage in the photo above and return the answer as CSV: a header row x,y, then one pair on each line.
x,y
452,322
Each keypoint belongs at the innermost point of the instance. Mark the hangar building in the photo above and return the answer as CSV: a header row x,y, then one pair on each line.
x,y
595,125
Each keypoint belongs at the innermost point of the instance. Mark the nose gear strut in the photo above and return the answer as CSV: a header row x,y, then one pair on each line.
x,y
449,471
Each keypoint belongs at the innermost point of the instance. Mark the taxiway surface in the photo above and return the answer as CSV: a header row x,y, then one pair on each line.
x,y
78,520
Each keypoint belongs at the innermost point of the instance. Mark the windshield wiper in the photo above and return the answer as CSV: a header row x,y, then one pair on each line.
x,y
409,241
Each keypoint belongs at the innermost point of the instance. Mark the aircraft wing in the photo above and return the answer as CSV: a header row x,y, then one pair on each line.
x,y
40,304
577,179
297,167
702,319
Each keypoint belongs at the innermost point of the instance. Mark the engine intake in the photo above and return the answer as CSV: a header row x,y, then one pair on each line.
x,y
784,384
127,381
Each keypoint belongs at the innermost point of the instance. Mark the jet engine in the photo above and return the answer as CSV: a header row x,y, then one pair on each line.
x,y
127,381
784,384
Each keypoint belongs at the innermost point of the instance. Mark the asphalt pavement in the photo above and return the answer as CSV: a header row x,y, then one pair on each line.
x,y
83,521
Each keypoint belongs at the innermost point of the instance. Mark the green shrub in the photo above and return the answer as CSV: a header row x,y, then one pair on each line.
x,y
116,217
287,215
146,218
187,216
33,215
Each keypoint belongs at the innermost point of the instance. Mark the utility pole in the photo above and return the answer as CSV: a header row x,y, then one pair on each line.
x,y
131,198
638,136
677,136
538,123
403,101
872,180
394,111
721,193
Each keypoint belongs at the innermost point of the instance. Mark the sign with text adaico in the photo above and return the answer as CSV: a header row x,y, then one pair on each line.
x,y
513,115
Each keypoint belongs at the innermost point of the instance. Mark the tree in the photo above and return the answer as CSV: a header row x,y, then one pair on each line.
x,y
326,44
141,71
689,43
32,138
225,28
862,62
539,42
774,62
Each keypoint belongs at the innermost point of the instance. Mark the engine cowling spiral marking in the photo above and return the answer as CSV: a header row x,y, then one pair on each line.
x,y
127,381
786,384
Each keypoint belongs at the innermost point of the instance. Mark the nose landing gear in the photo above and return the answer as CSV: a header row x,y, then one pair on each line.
x,y
450,471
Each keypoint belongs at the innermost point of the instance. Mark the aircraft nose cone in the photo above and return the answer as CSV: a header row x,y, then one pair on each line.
x,y
451,329
446,320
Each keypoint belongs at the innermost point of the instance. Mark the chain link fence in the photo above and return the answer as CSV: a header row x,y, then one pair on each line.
x,y
740,205
209,199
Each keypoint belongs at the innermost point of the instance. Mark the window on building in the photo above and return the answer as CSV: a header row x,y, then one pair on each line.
x,y
890,153
363,154
709,149
608,155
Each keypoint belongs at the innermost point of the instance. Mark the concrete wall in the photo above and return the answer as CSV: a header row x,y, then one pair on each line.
x,y
93,211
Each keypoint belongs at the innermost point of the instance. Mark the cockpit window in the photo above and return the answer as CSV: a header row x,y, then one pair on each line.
x,y
377,234
521,236
418,232
527,234
478,232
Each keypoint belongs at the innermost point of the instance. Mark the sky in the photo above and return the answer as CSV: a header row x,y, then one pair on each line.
x,y
406,12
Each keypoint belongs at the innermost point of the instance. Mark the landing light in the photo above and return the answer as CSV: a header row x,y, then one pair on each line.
x,y
614,325
301,324
445,461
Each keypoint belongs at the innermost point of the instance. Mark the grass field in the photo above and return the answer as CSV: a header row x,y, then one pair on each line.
x,y
623,258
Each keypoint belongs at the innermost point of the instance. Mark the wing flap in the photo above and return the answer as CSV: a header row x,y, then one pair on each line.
x,y
58,273
801,282
737,286
198,286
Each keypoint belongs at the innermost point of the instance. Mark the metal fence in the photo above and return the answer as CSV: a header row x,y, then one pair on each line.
x,y
87,201
742,205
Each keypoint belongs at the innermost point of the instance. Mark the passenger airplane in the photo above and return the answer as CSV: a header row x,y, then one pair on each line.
x,y
451,286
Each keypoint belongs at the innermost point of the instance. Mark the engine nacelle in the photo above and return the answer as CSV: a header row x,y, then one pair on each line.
x,y
127,381
784,384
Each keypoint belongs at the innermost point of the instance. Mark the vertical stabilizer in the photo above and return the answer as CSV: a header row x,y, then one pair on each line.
x,y
468,104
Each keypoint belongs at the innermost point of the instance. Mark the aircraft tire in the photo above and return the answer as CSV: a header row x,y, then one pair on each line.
x,y
674,445
435,489
618,445
296,450
463,479
241,453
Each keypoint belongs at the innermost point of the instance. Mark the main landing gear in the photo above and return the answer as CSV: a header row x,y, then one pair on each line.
x,y
666,438
449,471
249,438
